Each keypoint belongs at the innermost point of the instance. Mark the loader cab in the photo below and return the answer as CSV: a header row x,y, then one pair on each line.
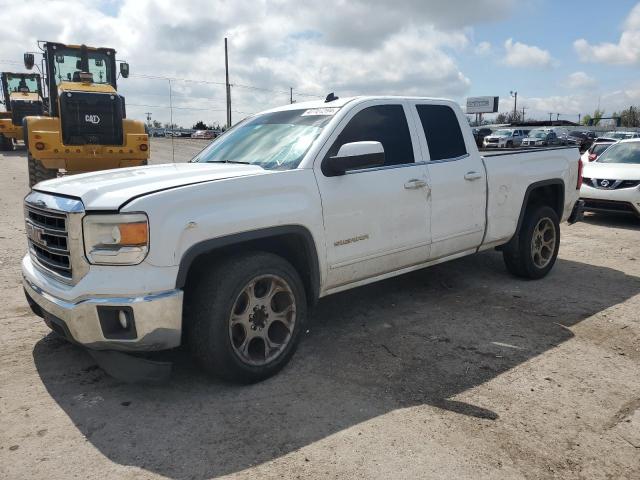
x,y
22,95
82,86
79,64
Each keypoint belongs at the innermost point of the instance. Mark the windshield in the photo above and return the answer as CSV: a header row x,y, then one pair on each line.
x,y
274,141
600,147
621,153
538,134
575,133
19,83
67,64
503,133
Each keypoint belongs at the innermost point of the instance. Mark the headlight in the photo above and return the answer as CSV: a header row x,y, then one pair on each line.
x,y
121,239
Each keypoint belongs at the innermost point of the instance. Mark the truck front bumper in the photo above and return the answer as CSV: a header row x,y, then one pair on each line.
x,y
142,323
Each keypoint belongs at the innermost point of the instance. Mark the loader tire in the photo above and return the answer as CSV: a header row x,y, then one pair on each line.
x,y
38,172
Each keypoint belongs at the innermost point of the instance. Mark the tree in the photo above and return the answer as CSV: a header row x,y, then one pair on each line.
x,y
630,117
200,125
156,124
509,117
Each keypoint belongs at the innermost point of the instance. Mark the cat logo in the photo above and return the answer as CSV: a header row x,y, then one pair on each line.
x,y
95,119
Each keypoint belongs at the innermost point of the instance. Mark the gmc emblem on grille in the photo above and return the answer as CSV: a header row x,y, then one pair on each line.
x,y
95,119
36,234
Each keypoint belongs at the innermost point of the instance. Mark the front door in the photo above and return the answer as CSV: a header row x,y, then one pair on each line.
x,y
376,220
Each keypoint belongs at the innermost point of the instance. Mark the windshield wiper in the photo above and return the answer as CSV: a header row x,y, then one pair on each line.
x,y
229,161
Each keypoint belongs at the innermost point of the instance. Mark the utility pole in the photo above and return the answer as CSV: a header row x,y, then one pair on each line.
x,y
557,117
515,104
550,117
290,94
579,119
148,114
522,114
173,151
226,69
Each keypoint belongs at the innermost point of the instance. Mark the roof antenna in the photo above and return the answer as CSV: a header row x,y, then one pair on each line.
x,y
330,98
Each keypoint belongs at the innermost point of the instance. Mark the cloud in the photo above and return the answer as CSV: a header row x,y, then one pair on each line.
x,y
625,52
518,54
355,47
579,80
483,48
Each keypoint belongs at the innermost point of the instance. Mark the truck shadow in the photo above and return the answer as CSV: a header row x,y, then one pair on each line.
x,y
626,222
418,339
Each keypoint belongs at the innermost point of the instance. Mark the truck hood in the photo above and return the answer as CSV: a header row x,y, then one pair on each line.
x,y
110,189
612,171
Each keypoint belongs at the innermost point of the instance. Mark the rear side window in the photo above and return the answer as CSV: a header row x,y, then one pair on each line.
x,y
386,124
442,130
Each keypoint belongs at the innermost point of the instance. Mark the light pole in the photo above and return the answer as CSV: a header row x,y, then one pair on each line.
x,y
514,95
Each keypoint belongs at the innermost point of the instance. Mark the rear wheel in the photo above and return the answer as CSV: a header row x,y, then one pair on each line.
x,y
38,172
243,318
533,253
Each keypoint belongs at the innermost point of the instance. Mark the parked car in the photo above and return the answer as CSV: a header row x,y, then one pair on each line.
x,y
504,138
203,134
596,148
581,139
228,252
621,135
479,135
540,138
562,133
612,182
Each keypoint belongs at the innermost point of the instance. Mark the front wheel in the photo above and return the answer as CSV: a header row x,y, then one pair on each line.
x,y
38,172
243,317
533,252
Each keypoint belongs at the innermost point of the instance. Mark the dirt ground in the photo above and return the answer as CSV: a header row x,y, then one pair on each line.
x,y
455,372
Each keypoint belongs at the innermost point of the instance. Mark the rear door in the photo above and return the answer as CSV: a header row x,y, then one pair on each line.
x,y
376,220
457,179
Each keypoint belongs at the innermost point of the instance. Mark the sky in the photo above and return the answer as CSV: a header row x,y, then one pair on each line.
x,y
564,58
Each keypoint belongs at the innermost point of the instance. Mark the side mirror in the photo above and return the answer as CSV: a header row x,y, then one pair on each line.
x,y
124,69
354,156
28,61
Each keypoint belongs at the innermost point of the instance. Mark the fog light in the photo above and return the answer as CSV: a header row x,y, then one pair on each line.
x,y
122,317
39,146
144,147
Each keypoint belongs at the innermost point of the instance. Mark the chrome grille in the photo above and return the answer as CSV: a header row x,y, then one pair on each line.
x,y
48,237
54,233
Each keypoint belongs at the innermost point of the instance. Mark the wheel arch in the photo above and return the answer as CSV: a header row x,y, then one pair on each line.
x,y
545,192
292,242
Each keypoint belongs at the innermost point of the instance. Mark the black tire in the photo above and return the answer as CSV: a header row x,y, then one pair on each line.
x,y
209,304
38,172
509,144
6,144
518,256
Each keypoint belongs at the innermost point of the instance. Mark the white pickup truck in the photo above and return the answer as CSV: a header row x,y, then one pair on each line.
x,y
228,252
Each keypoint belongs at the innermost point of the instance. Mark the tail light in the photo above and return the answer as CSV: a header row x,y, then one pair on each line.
x,y
144,147
579,182
39,146
592,157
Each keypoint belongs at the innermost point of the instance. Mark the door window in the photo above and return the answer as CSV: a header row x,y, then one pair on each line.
x,y
442,131
386,124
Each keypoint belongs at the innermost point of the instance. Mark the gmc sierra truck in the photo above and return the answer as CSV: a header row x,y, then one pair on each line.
x,y
228,252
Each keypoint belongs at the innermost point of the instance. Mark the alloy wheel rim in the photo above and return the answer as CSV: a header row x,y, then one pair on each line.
x,y
262,320
543,244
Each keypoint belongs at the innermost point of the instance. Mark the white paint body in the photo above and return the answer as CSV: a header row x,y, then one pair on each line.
x,y
452,208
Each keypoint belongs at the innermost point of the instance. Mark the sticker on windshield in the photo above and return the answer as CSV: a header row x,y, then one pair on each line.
x,y
326,111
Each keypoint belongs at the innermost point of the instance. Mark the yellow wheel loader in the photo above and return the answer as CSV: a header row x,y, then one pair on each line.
x,y
22,96
87,128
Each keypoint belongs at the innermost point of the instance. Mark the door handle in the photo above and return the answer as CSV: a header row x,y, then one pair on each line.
x,y
414,184
472,176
